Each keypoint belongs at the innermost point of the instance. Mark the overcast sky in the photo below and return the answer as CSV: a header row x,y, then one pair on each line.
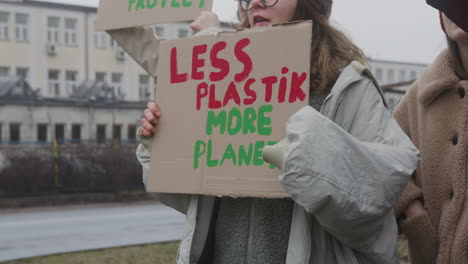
x,y
397,30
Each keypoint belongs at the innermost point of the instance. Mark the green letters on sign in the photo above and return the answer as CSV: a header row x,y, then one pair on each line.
x,y
137,5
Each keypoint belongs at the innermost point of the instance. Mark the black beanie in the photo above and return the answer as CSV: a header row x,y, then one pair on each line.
x,y
456,10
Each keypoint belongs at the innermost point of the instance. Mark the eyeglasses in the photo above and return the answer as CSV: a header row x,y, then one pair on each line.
x,y
246,5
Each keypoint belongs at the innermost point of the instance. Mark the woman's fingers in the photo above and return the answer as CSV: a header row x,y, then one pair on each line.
x,y
205,20
150,117
145,132
154,108
147,126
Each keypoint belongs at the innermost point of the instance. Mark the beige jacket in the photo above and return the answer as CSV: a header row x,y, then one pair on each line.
x,y
434,113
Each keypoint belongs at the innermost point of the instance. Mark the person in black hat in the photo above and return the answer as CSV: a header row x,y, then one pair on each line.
x,y
456,10
434,113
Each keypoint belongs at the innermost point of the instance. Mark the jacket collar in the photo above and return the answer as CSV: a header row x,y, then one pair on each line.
x,y
437,78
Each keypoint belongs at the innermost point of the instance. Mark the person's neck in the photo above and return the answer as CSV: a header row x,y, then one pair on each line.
x,y
463,49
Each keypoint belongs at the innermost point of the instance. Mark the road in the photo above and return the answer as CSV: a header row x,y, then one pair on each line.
x,y
50,230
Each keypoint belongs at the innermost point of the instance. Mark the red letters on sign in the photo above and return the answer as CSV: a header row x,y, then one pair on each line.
x,y
231,94
280,87
212,102
244,58
269,81
249,92
202,91
221,64
197,62
296,90
175,77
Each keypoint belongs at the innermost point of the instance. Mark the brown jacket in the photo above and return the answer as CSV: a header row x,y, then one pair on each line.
x,y
434,113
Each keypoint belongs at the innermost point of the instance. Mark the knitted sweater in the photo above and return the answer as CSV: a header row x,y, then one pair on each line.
x,y
252,230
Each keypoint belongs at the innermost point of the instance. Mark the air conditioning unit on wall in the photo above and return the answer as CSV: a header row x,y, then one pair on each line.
x,y
51,49
120,54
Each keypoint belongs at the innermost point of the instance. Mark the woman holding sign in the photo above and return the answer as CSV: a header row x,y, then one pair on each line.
x,y
346,163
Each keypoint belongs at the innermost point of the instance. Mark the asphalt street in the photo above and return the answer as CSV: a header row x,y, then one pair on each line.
x,y
50,230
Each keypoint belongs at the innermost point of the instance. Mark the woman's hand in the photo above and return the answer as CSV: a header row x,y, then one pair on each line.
x,y
150,119
414,208
205,20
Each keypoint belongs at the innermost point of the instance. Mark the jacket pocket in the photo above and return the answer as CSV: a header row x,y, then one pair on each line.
x,y
422,239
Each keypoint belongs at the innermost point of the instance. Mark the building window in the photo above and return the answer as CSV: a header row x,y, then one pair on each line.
x,y
378,74
4,26
131,132
183,33
101,76
413,75
144,89
70,81
76,133
22,32
100,40
22,73
117,84
60,132
42,132
53,28
160,31
402,76
15,132
117,132
101,133
4,71
390,77
71,32
54,83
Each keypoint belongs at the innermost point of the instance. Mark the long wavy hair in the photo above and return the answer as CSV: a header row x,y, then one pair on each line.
x,y
331,50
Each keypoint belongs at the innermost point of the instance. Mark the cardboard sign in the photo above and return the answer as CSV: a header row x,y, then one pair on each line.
x,y
115,14
223,98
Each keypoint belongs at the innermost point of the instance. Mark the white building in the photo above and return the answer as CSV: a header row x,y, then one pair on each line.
x,y
54,47
93,113
391,72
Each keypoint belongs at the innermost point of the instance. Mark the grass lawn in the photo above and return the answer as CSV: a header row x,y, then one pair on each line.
x,y
164,253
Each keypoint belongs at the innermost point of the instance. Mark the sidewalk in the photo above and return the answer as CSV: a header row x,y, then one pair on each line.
x,y
37,231
60,199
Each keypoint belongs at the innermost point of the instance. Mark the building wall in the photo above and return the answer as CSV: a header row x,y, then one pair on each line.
x,y
30,116
388,72
84,58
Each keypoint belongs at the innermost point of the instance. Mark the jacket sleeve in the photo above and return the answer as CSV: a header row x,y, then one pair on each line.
x,y
179,202
411,191
349,181
142,44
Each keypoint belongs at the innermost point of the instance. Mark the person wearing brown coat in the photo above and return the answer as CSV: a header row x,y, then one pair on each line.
x,y
433,208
